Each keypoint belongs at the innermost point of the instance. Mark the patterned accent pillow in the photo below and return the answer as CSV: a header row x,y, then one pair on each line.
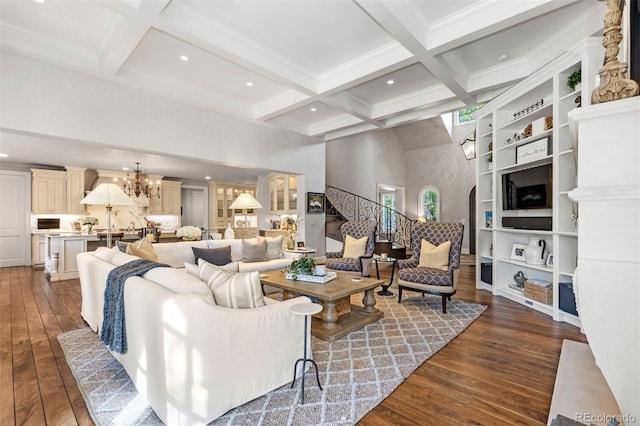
x,y
353,248
217,256
274,247
254,250
122,246
240,290
436,257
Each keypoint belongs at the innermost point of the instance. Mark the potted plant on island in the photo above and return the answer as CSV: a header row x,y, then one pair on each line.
x,y
302,266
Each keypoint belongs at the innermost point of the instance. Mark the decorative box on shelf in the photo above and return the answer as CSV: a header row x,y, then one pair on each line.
x,y
538,290
319,279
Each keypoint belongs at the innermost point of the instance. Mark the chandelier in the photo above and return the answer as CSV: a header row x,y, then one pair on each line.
x,y
140,184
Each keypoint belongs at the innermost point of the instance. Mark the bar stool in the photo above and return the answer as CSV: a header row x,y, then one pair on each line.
x,y
306,309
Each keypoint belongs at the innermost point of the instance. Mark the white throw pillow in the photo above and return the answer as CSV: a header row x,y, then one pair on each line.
x,y
232,289
274,247
354,248
434,257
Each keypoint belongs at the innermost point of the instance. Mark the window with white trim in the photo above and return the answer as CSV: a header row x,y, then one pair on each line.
x,y
464,115
429,203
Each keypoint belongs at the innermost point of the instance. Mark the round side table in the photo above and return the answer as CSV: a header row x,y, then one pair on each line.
x,y
306,309
385,288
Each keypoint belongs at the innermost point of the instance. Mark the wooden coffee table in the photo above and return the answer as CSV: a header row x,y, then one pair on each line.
x,y
333,326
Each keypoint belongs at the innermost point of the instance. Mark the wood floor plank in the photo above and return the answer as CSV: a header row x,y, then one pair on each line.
x,y
501,370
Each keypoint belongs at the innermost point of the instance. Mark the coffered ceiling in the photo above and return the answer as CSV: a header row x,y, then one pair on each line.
x,y
317,67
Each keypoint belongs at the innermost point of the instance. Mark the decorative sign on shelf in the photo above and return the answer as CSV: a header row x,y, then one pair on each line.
x,y
319,279
532,151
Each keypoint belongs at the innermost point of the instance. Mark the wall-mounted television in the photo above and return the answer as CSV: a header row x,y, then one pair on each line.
x,y
527,189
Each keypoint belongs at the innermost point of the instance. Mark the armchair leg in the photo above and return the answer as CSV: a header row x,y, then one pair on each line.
x,y
399,294
444,303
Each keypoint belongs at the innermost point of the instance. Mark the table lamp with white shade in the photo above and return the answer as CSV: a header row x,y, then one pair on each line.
x,y
109,195
245,201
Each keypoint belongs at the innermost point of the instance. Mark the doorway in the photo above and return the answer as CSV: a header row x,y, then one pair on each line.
x,y
391,197
195,203
15,239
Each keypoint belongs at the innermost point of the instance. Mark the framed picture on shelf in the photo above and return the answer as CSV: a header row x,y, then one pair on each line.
x,y
315,202
517,252
550,259
532,151
300,244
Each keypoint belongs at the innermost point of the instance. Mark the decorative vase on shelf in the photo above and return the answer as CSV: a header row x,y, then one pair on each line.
x,y
228,233
291,244
90,229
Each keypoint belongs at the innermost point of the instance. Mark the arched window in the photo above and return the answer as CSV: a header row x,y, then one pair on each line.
x,y
429,203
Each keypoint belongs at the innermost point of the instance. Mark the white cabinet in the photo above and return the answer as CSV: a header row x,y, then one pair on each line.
x,y
221,195
37,251
75,189
283,192
60,255
170,197
501,126
48,191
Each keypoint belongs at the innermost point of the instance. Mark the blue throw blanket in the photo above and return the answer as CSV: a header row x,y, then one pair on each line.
x,y
114,333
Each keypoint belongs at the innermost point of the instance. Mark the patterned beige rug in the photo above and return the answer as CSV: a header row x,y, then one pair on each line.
x,y
356,372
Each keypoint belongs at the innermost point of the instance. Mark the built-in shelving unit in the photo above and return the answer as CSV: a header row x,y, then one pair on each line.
x,y
501,125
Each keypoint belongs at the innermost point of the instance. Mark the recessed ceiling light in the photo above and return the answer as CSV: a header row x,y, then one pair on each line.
x,y
249,84
390,82
207,177
184,58
126,169
3,155
313,109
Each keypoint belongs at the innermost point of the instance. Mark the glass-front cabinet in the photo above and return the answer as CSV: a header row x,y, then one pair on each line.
x,y
283,190
222,194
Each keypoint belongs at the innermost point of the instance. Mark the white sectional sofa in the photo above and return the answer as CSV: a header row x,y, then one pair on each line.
x,y
191,359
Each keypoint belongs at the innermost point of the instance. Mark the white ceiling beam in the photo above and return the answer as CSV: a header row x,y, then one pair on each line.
x,y
448,76
483,18
281,104
333,123
423,114
427,96
365,127
499,75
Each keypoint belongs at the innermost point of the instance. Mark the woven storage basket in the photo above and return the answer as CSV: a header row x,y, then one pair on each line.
x,y
540,291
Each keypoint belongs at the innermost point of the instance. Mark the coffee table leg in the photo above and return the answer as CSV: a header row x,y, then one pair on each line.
x,y
330,315
369,301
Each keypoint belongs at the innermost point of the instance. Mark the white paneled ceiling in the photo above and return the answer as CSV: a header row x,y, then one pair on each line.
x,y
335,56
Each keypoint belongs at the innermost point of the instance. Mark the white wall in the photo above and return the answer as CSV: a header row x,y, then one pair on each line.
x,y
358,163
54,101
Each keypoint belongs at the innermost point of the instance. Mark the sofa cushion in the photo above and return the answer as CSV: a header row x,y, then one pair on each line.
x,y
105,254
270,265
232,289
354,248
274,247
177,281
120,258
217,256
254,250
175,254
436,257
122,246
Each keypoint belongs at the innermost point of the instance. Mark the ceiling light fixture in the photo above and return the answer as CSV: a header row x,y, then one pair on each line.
x,y
184,58
207,177
469,146
249,84
313,109
390,82
141,184
3,155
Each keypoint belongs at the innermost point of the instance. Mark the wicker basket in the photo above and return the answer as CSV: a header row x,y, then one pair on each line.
x,y
540,291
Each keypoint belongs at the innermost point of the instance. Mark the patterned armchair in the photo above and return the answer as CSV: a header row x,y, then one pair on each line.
x,y
357,229
429,280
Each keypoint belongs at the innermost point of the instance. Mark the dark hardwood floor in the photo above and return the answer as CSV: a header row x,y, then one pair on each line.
x,y
501,370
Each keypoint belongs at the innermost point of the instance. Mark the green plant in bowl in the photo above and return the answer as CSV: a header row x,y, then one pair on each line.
x,y
302,266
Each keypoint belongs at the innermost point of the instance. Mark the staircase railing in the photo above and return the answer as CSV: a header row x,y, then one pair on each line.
x,y
392,225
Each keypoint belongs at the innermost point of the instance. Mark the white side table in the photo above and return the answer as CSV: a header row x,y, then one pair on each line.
x,y
306,309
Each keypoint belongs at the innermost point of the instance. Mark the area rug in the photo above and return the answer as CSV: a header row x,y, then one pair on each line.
x,y
357,372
